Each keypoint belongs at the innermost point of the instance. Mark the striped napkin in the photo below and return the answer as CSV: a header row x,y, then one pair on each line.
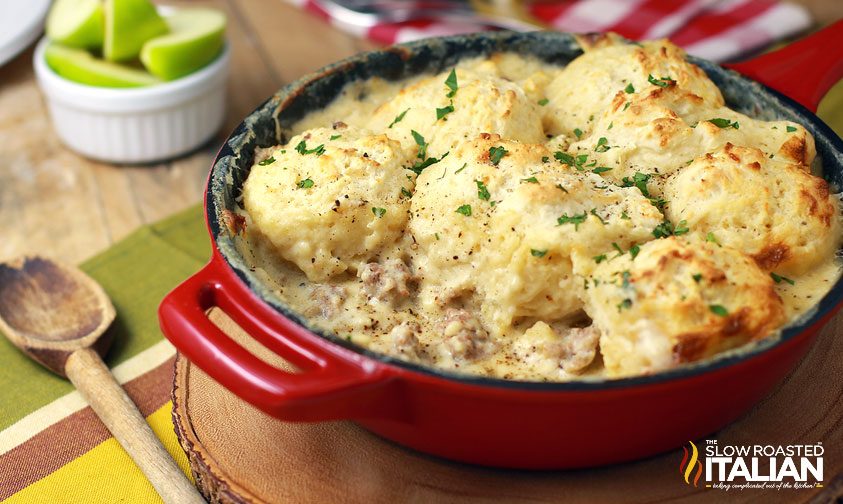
x,y
718,30
53,448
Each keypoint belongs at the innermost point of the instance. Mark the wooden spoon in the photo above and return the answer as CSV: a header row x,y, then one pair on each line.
x,y
58,316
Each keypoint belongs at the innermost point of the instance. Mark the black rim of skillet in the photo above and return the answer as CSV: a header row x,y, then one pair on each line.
x,y
270,123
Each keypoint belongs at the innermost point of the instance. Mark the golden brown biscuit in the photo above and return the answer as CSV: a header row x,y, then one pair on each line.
x,y
677,302
661,130
610,68
776,212
482,103
328,205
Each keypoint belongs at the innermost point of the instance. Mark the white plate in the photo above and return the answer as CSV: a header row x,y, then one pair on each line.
x,y
21,21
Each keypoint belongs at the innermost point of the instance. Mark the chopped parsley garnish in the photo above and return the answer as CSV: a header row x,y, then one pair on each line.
x,y
629,88
625,276
398,118
577,133
681,228
562,188
599,259
611,125
422,153
618,249
779,279
663,230
451,83
530,180
626,106
638,180
663,82
538,253
334,137
496,154
302,149
421,165
602,145
379,212
305,184
712,239
442,112
658,203
594,213
465,210
576,162
625,304
267,161
424,161
625,216
698,277
575,219
634,250
543,102
406,193
565,158
545,159
461,168
718,310
724,123
482,191
791,129
601,169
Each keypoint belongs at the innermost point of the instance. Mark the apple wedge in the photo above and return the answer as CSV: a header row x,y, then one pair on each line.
x,y
128,25
195,39
80,66
77,23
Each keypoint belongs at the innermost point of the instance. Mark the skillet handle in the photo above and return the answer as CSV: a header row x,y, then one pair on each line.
x,y
804,70
333,382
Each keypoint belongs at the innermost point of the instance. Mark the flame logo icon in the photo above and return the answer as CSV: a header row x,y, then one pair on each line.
x,y
686,467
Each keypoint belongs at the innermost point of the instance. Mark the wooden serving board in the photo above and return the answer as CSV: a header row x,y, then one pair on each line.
x,y
239,454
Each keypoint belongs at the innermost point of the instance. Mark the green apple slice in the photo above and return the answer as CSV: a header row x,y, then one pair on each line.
x,y
196,37
79,66
128,24
77,23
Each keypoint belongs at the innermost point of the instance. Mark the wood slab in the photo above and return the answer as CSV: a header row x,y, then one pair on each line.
x,y
239,454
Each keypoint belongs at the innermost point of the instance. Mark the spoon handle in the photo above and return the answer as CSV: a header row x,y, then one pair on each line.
x,y
109,401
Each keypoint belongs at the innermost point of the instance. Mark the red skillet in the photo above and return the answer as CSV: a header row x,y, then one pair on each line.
x,y
478,420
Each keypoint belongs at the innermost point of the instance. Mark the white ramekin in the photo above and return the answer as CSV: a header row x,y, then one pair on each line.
x,y
135,125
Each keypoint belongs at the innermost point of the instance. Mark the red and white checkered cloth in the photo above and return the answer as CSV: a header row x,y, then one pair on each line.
x,y
718,30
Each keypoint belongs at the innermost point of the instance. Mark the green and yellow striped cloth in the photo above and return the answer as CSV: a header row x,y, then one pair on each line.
x,y
53,449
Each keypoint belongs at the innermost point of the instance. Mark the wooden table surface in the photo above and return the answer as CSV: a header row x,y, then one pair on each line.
x,y
57,203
